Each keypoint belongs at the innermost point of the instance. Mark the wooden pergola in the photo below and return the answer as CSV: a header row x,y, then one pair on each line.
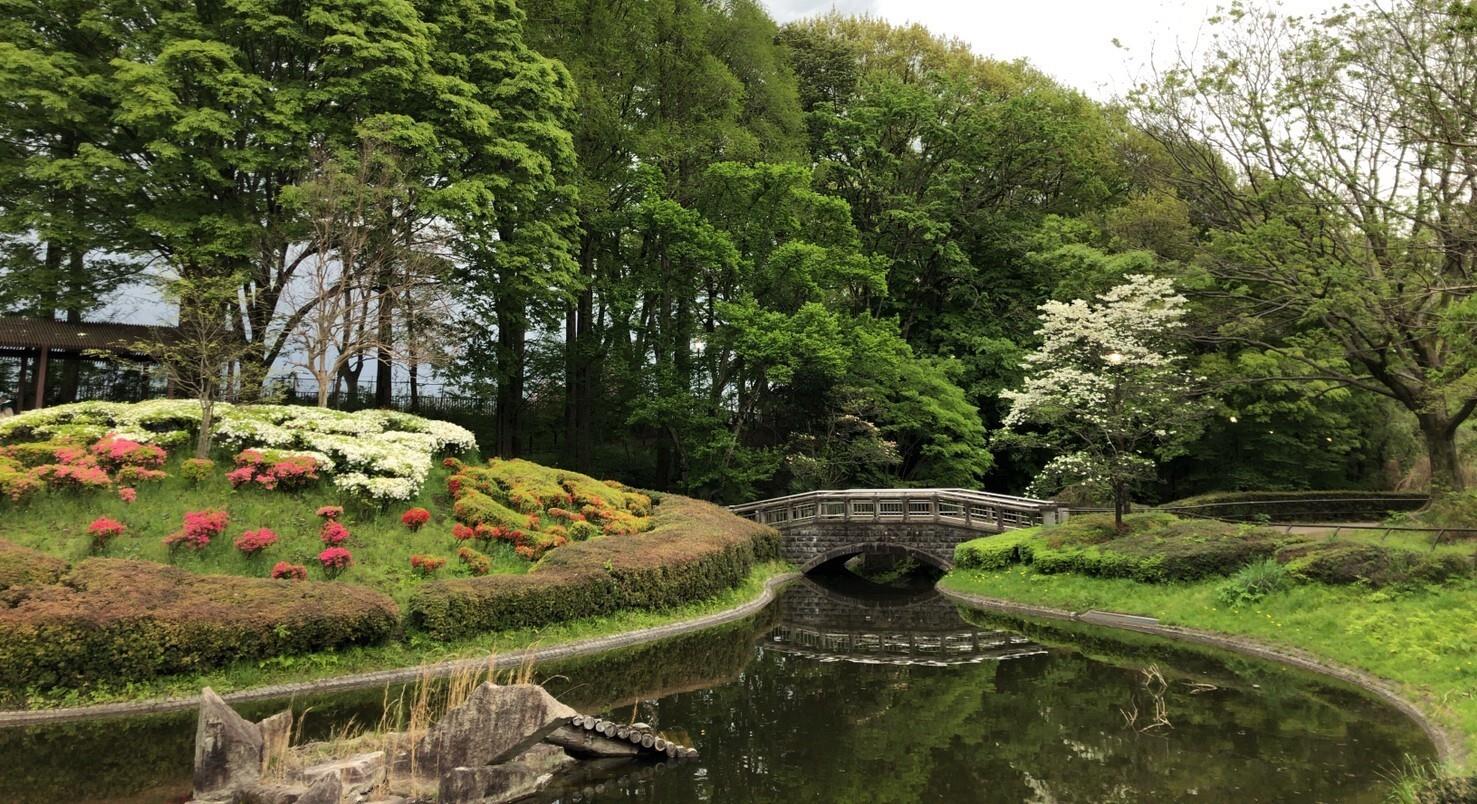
x,y
37,339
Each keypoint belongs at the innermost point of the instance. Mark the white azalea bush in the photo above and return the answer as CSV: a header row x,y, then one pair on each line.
x,y
375,454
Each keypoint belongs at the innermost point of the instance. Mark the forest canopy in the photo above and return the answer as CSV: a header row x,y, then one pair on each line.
x,y
680,244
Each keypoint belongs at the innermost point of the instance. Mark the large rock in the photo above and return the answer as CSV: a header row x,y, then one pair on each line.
x,y
490,784
276,734
327,789
357,775
496,724
228,748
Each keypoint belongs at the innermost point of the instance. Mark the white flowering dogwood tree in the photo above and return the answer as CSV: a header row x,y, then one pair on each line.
x,y
1107,389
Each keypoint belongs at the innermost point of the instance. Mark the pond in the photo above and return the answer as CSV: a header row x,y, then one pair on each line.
x,y
843,691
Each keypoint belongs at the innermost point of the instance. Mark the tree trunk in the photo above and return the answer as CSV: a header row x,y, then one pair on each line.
x,y
384,376
207,428
1446,466
1120,506
579,366
72,368
511,346
571,383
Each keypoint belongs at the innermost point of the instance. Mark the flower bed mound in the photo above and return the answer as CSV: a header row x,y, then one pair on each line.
x,y
117,621
21,566
693,550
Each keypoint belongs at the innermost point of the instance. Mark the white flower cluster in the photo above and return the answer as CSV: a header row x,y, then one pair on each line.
x,y
382,455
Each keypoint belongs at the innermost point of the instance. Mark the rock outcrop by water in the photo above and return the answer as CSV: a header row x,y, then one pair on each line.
x,y
502,744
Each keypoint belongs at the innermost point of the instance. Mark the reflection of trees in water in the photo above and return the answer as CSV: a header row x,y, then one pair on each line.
x,y
1047,727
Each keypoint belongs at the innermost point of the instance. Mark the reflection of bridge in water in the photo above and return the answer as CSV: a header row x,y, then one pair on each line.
x,y
918,627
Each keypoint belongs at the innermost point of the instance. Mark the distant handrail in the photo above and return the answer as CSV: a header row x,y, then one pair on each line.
x,y
1290,500
976,510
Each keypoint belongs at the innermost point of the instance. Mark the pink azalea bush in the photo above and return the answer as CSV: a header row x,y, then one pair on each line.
x,y
252,542
331,511
199,528
74,477
334,533
115,452
283,570
127,494
335,560
103,530
291,472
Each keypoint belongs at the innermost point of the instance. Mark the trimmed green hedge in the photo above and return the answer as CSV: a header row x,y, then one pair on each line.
x,y
1297,506
119,621
20,566
1156,548
995,552
694,550
1345,563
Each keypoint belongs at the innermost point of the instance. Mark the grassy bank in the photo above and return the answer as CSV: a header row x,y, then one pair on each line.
x,y
415,650
1421,638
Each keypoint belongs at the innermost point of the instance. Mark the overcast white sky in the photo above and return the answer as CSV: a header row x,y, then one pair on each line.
x,y
1071,40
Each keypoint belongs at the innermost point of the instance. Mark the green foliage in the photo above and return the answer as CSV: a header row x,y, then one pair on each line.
x,y
115,621
1255,581
1152,548
22,566
475,508
694,550
1454,510
1374,565
995,552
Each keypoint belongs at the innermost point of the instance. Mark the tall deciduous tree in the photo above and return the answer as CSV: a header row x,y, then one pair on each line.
x,y
1337,161
515,251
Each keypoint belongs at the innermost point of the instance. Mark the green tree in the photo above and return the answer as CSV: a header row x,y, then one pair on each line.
x,y
951,163
1332,158
515,245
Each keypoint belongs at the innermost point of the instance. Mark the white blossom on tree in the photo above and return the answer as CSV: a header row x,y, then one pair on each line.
x,y
1108,389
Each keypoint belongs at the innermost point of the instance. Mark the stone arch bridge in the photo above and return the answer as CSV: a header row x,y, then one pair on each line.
x,y
818,527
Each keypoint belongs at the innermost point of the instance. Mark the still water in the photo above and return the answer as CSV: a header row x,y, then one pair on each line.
x,y
842,691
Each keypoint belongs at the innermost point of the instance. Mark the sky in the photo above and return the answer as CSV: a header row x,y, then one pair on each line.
x,y
1070,40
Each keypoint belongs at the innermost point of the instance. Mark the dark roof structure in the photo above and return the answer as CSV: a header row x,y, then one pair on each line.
x,y
37,333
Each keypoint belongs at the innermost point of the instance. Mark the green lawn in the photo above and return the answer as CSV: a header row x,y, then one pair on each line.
x,y
56,523
1422,638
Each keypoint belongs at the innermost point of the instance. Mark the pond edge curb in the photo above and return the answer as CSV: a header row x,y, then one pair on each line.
x,y
583,647
1450,747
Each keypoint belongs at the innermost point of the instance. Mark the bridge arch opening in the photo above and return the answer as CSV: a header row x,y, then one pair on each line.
x,y
839,555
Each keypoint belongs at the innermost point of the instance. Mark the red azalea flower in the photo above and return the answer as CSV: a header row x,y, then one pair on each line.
x,y
415,518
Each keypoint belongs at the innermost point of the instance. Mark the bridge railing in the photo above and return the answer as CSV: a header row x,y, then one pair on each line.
x,y
975,510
